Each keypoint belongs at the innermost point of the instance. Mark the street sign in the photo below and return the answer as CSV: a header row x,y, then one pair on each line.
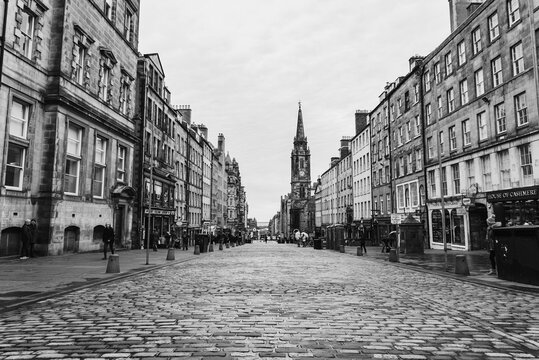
x,y
466,201
396,219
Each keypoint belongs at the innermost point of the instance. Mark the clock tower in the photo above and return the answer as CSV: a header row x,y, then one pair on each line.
x,y
300,163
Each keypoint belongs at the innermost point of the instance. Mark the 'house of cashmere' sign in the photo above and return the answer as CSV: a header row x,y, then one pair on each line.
x,y
530,193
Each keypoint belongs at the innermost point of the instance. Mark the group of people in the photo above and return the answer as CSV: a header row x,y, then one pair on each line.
x,y
29,238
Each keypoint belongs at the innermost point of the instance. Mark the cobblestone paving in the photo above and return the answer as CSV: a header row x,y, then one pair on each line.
x,y
267,301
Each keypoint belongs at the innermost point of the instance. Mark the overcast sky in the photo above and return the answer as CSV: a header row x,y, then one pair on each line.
x,y
243,65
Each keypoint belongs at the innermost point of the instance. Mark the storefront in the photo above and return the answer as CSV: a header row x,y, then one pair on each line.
x,y
465,223
516,206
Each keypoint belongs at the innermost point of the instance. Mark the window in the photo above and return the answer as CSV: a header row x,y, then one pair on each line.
x,y
430,148
444,182
476,41
410,164
408,132
450,100
441,140
440,107
416,93
399,107
461,49
521,109
517,59
73,158
482,126
437,73
417,123
485,170
470,171
28,22
493,27
463,85
428,113
466,135
432,182
406,101
505,168
18,123
108,9
100,166
426,78
452,138
496,66
15,166
400,136
105,83
124,98
479,83
400,196
128,25
418,160
526,169
455,172
513,11
120,167
388,177
79,61
499,114
448,64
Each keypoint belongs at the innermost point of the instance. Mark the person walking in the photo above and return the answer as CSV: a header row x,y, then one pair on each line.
x,y
185,240
362,242
108,240
491,224
33,239
154,239
25,239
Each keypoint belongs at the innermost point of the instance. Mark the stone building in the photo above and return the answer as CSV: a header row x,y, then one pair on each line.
x,y
219,186
67,89
361,174
155,174
482,134
406,143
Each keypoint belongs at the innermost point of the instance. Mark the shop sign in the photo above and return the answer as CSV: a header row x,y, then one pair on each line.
x,y
396,219
514,194
461,211
160,212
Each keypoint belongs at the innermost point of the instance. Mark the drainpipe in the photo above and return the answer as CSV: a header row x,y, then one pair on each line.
x,y
4,26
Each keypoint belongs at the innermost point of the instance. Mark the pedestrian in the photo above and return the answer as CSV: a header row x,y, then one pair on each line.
x,y
185,240
362,242
33,239
108,240
167,240
154,238
491,224
25,239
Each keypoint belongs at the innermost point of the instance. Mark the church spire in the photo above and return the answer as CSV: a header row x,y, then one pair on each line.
x,y
300,134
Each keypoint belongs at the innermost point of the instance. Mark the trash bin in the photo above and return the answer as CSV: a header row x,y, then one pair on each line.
x,y
517,251
317,244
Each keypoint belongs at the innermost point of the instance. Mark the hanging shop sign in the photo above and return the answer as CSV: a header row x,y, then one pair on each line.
x,y
160,212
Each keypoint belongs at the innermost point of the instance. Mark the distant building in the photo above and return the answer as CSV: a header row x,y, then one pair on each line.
x,y
300,202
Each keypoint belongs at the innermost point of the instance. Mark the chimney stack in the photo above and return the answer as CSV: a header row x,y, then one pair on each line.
x,y
361,120
203,131
221,143
460,10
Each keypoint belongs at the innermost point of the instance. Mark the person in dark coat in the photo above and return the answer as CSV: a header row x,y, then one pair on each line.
x,y
154,239
26,238
108,240
33,239
185,240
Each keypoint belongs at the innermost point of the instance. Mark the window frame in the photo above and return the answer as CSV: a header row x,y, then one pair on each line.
x,y
497,71
517,58
500,118
74,158
521,112
477,45
493,27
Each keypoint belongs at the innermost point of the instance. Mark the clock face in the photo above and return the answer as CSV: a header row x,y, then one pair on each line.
x,y
301,173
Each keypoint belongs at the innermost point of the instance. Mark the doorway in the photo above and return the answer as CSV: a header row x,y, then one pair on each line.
x,y
71,239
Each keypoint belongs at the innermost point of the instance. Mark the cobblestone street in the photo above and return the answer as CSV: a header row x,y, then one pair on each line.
x,y
278,301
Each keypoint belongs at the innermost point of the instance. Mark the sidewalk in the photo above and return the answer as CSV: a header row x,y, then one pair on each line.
x,y
434,261
34,279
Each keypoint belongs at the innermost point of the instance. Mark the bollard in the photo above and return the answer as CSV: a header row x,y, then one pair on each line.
x,y
461,265
393,255
341,248
359,251
170,254
197,250
210,248
113,266
220,246
227,245
233,244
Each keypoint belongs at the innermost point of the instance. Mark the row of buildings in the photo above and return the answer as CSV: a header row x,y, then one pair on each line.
x,y
89,135
451,142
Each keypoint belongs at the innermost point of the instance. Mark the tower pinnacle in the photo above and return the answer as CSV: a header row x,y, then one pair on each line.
x,y
300,133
